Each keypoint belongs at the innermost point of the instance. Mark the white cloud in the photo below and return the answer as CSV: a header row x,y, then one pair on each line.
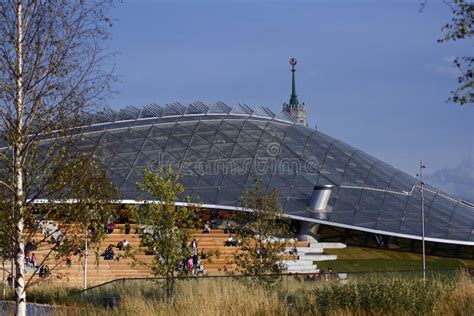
x,y
447,67
446,70
458,180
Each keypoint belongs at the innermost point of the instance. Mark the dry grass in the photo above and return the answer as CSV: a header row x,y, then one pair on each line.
x,y
461,302
394,295
193,297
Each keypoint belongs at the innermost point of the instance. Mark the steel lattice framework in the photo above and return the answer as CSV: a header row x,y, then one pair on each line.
x,y
219,150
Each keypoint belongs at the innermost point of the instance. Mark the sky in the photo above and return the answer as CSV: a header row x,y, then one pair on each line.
x,y
371,73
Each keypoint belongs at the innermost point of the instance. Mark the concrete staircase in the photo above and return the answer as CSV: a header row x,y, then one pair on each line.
x,y
307,256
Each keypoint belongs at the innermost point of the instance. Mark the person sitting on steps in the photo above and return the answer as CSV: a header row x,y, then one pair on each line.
x,y
120,245
109,253
127,228
110,228
203,254
126,244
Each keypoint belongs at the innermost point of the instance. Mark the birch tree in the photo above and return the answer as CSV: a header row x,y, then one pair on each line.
x,y
52,71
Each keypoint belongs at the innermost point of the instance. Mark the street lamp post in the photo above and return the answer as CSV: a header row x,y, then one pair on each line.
x,y
86,254
422,187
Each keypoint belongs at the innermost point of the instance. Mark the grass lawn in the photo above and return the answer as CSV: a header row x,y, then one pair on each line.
x,y
359,259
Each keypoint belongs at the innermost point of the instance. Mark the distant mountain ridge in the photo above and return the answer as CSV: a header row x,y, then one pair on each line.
x,y
458,180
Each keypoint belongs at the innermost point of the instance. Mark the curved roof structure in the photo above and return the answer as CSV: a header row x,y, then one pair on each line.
x,y
220,149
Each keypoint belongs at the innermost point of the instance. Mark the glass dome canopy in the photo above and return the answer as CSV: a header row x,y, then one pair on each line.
x,y
220,149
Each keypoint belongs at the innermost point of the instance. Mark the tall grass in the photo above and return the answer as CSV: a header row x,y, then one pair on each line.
x,y
393,295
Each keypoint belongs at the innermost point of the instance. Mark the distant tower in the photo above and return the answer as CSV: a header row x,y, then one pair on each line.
x,y
295,109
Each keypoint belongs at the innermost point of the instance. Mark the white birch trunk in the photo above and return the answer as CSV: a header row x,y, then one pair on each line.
x,y
19,206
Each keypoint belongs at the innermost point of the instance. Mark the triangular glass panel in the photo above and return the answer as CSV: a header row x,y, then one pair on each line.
x,y
249,147
177,142
229,197
284,116
241,109
206,196
181,130
198,140
128,157
118,176
142,160
234,180
302,193
155,144
410,228
295,205
216,155
280,180
129,186
135,175
193,109
123,115
260,111
156,109
107,115
225,107
301,181
217,108
104,155
251,126
141,131
170,110
221,138
269,111
188,179
159,132
147,113
202,106
179,107
118,162
226,149
367,219
192,156
88,141
231,125
230,135
133,111
208,126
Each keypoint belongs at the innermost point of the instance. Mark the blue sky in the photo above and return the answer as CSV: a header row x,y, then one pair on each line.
x,y
370,72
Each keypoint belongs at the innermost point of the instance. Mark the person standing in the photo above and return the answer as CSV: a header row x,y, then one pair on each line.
x,y
194,246
190,265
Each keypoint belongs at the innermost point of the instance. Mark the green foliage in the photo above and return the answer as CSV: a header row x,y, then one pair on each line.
x,y
79,199
259,227
86,197
393,295
461,27
168,222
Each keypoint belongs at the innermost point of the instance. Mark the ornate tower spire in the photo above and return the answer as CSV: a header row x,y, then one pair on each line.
x,y
293,99
295,108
